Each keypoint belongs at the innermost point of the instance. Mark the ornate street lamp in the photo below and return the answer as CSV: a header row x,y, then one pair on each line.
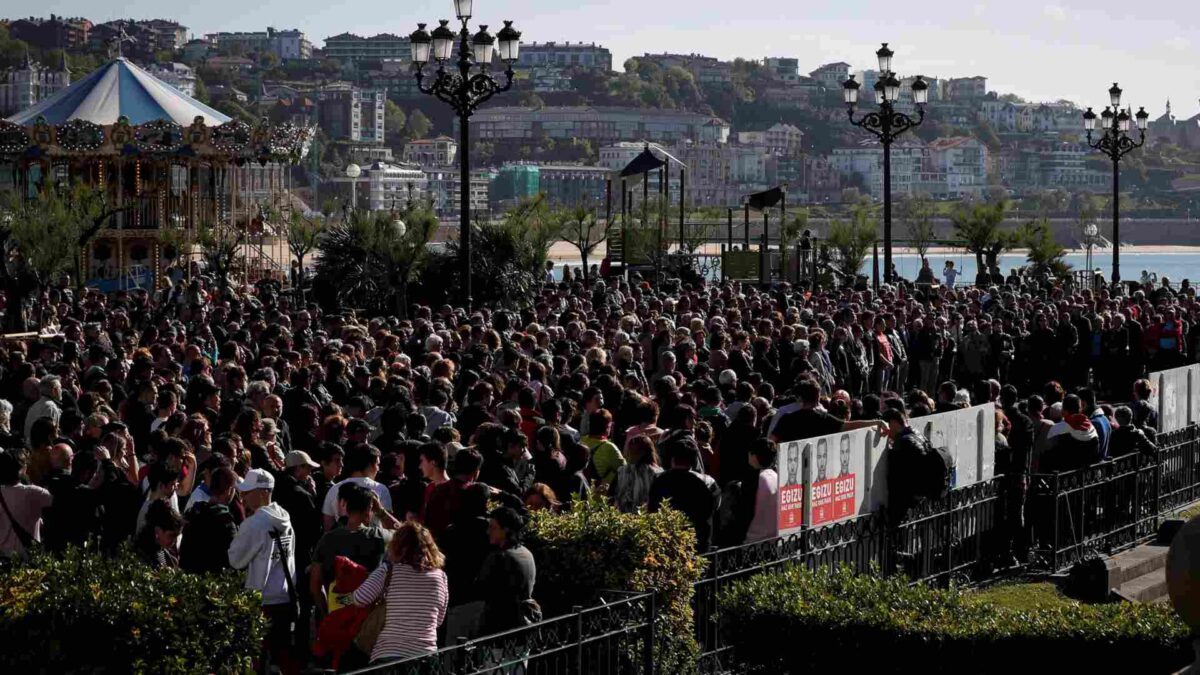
x,y
464,91
1115,143
886,124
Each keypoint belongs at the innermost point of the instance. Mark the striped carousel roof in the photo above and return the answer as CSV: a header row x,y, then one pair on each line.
x,y
118,89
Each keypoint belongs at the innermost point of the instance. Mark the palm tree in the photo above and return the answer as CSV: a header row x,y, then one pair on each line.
x,y
852,240
978,225
303,236
578,226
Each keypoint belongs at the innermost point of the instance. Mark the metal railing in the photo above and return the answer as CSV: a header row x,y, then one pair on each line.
x,y
941,541
1113,505
613,638
1106,507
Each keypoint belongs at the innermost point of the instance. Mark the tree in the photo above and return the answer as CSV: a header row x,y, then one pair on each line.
x,y
219,246
303,236
852,240
367,262
789,232
418,125
916,214
536,228
268,61
201,91
579,227
44,235
394,122
1045,254
978,226
530,99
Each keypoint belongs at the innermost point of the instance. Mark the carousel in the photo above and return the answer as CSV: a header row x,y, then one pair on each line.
x,y
168,167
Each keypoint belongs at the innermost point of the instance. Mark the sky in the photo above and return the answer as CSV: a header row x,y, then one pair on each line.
x,y
1039,50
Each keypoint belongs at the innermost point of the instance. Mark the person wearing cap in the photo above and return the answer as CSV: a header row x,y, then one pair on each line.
x,y
265,547
296,492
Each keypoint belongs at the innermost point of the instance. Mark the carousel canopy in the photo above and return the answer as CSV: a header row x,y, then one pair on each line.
x,y
120,89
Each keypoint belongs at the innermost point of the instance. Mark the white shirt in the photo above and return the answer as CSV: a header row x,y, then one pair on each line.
x,y
330,507
765,523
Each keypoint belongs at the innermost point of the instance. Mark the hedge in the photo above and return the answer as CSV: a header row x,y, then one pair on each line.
x,y
798,621
83,612
594,548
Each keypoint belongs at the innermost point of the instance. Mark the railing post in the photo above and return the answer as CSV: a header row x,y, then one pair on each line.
x,y
578,611
648,639
1054,540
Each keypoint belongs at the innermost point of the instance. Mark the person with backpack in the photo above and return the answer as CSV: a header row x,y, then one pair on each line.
x,y
264,546
916,471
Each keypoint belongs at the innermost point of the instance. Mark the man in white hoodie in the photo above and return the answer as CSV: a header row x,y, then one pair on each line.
x,y
265,546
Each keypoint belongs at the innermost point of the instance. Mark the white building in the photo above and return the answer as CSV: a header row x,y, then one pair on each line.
x,y
618,155
960,163
866,160
392,185
440,151
178,75
781,139
832,75
22,87
285,44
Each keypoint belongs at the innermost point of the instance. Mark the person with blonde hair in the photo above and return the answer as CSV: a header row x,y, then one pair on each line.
x,y
631,489
413,586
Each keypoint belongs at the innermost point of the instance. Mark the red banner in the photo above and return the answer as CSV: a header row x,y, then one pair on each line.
x,y
791,507
833,499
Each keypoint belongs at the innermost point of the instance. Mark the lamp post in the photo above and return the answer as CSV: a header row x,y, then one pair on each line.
x,y
1115,144
886,124
464,91
1090,232
353,171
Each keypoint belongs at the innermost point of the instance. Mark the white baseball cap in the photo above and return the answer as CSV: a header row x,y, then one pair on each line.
x,y
299,458
256,479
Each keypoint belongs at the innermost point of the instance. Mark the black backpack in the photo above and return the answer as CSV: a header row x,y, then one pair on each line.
x,y
936,469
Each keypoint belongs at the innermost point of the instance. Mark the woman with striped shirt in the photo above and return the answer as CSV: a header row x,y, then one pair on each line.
x,y
416,596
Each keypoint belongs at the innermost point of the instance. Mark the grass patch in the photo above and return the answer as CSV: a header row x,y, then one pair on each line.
x,y
1188,512
1024,597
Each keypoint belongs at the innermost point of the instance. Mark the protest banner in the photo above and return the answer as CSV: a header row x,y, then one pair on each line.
x,y
791,488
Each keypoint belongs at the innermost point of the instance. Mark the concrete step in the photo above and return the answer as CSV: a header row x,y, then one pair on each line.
x,y
1135,563
1148,588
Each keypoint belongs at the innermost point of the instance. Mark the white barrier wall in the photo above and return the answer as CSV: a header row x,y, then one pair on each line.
x,y
835,477
1177,397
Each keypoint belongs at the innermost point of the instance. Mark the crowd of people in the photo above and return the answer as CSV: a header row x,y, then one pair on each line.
x,y
218,430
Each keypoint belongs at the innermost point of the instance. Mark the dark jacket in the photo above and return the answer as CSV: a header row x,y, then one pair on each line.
x,y
305,511
208,529
506,580
74,515
695,495
904,466
1130,439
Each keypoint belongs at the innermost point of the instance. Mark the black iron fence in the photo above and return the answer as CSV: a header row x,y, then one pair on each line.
x,y
1104,508
1113,505
613,638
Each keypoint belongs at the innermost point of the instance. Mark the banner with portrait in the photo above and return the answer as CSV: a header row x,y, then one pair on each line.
x,y
830,478
969,435
791,487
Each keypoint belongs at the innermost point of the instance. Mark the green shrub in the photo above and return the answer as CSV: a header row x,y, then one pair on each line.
x,y
800,621
81,612
595,548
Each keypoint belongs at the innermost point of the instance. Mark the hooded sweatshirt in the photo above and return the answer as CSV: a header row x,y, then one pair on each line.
x,y
208,529
254,550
